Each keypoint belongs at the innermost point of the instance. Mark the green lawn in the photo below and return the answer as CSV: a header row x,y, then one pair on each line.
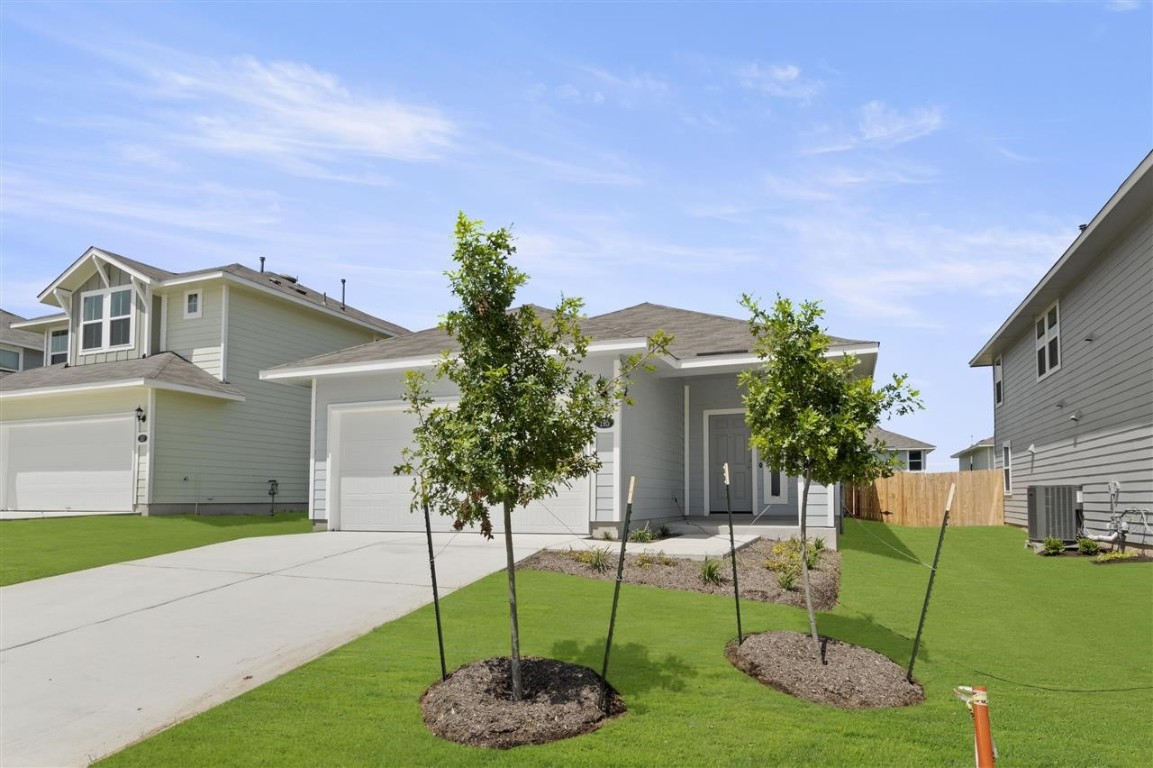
x,y
1048,636
33,549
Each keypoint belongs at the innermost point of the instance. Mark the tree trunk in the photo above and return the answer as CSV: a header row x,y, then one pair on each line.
x,y
805,566
514,629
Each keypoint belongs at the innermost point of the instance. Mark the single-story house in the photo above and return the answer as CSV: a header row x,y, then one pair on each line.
x,y
979,455
688,419
153,402
913,454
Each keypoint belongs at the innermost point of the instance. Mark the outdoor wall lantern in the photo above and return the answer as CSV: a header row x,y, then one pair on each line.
x,y
140,415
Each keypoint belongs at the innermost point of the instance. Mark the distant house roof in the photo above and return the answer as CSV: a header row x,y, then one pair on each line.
x,y
695,335
895,442
267,281
15,336
1132,199
977,446
166,370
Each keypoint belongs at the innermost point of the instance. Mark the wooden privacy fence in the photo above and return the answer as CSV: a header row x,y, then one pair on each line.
x,y
918,498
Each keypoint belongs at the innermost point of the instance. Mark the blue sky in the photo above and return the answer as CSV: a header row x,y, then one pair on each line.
x,y
916,167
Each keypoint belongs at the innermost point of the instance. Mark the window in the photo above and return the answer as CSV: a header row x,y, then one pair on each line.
x,y
1048,341
998,379
192,308
9,360
106,319
775,486
916,461
1007,467
58,347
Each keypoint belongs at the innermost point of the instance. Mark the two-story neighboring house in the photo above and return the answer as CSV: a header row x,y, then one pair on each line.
x,y
1073,369
151,401
912,453
19,349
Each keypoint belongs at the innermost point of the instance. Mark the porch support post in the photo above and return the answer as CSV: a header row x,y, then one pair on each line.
x,y
688,460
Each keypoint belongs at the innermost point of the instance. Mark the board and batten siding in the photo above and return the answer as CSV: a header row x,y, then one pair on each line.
x,y
116,278
237,447
198,339
652,446
1105,378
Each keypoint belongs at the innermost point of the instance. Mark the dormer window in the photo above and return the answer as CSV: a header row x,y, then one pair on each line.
x,y
192,306
106,320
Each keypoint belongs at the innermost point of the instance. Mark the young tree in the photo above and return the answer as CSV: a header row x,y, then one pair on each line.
x,y
526,419
809,415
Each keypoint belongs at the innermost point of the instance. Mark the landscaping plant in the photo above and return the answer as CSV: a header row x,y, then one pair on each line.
x,y
1052,546
526,419
809,413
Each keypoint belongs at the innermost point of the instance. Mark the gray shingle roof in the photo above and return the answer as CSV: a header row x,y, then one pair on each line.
x,y
696,334
17,336
895,442
986,443
164,368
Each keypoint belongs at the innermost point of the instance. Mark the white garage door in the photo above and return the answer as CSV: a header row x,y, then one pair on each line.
x,y
74,466
367,496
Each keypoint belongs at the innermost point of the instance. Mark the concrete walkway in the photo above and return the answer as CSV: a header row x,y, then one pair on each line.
x,y
93,661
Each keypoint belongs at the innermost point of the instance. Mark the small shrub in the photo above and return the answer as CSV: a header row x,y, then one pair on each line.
x,y
812,557
664,532
711,572
1088,547
1052,546
643,534
776,566
645,559
1109,557
597,558
664,559
787,577
607,535
787,548
818,545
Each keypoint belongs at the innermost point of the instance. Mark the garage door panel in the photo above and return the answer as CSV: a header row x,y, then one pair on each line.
x,y
79,466
368,445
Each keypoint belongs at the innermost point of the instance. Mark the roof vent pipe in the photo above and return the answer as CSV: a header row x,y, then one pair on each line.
x,y
342,281
262,265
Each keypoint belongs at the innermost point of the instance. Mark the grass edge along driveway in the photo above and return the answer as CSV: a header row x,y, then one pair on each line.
x,y
997,611
38,548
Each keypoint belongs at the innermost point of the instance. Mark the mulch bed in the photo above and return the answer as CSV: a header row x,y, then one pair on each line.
x,y
474,705
757,581
852,678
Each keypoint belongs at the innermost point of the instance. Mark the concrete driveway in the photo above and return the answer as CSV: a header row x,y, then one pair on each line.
x,y
93,661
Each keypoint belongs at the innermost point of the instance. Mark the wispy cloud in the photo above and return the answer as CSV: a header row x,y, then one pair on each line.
x,y
878,125
597,86
1121,6
781,80
289,110
895,270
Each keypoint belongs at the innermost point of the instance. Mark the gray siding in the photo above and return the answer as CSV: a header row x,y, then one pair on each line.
x,y
652,442
1108,380
236,447
197,340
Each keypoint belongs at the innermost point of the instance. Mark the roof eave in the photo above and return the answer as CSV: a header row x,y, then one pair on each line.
x,y
1133,198
46,296
74,389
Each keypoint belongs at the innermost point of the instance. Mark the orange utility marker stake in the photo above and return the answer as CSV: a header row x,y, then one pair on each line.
x,y
977,700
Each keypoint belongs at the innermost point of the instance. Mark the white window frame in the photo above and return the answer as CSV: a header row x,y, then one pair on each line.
x,y
106,320
920,460
19,360
1007,468
783,483
1045,339
199,294
49,354
998,380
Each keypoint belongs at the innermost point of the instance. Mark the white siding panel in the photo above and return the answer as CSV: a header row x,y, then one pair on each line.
x,y
653,446
197,339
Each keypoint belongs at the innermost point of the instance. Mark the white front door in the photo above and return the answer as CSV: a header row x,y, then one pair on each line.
x,y
69,465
